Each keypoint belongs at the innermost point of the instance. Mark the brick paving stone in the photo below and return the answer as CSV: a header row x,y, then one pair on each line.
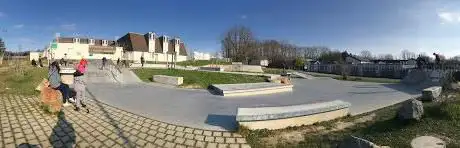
x,y
180,129
23,122
189,142
199,137
211,145
188,130
234,146
240,140
221,145
220,140
169,138
179,140
181,146
189,136
179,134
159,142
227,134
151,138
230,140
169,145
209,139
198,132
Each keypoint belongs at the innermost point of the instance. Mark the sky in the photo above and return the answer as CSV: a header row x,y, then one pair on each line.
x,y
380,26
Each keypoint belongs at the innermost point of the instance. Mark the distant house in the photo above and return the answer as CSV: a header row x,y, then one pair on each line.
x,y
402,62
351,59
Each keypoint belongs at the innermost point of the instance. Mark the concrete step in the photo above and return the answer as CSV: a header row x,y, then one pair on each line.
x,y
247,89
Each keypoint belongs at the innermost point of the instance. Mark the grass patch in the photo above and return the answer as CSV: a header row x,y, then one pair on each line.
x,y
355,78
199,78
441,120
13,83
194,63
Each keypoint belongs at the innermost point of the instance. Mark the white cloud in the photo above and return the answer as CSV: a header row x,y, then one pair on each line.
x,y
18,26
2,14
69,27
449,17
244,16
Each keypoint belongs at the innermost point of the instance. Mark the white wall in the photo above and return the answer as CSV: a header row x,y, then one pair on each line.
x,y
77,51
34,56
159,57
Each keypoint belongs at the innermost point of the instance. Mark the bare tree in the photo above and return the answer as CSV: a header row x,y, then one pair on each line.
x,y
406,54
386,57
366,54
238,44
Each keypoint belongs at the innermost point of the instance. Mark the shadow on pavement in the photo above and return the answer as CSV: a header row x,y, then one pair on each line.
x,y
228,122
119,132
63,134
412,90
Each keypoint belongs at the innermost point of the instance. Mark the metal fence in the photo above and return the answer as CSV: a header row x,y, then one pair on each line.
x,y
394,71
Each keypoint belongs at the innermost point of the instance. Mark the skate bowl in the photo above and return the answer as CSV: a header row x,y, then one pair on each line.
x,y
288,116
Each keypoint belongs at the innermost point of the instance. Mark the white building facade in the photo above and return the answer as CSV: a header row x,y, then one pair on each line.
x,y
74,48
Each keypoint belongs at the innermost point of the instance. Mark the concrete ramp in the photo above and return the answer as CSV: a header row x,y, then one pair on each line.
x,y
303,75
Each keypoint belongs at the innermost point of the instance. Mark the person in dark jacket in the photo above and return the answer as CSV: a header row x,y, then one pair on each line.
x,y
40,62
104,61
55,82
142,61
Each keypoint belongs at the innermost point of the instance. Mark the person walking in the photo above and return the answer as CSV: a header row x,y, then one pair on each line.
x,y
104,60
80,85
118,62
55,82
142,61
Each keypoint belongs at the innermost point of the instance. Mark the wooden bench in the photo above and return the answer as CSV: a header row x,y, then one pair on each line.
x,y
289,116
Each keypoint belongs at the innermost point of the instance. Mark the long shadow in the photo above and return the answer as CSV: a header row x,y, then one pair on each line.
x,y
412,90
63,134
112,121
228,122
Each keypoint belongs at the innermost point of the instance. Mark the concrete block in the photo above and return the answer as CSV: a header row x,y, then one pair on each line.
x,y
247,89
212,68
431,93
296,115
170,80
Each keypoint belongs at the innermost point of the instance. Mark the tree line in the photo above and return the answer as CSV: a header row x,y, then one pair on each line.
x,y
240,45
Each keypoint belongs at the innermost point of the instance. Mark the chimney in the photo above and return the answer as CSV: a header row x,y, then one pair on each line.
x,y
151,41
165,44
177,45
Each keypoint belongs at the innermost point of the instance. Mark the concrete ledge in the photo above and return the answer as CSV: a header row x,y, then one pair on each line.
x,y
212,68
431,93
297,115
170,80
247,89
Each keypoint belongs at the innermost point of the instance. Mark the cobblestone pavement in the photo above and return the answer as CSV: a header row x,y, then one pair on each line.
x,y
23,122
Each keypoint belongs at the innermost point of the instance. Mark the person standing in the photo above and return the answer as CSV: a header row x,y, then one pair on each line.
x,y
55,82
40,61
80,87
118,62
142,61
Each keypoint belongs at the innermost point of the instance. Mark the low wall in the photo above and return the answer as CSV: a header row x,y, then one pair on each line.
x,y
170,80
247,89
212,68
288,116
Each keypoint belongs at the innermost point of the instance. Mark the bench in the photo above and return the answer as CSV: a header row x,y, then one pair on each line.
x,y
288,116
169,80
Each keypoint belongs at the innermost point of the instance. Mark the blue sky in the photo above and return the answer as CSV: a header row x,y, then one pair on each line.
x,y
381,26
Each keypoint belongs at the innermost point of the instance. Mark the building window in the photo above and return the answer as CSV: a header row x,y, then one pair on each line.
x,y
91,41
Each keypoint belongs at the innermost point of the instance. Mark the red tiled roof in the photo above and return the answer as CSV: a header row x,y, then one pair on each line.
x,y
182,49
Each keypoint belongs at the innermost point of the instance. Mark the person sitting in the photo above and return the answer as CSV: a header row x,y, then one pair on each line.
x,y
34,63
55,82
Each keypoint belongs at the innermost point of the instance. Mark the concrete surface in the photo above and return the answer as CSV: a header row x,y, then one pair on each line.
x,y
200,109
170,80
247,89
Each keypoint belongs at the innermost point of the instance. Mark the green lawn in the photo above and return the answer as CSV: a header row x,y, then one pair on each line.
x,y
14,83
199,78
441,120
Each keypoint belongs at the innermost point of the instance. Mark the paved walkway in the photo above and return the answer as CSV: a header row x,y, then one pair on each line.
x,y
23,122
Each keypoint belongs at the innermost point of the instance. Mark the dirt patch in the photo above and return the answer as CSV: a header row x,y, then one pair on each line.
x,y
296,136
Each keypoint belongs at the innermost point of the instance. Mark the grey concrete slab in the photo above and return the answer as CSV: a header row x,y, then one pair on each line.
x,y
200,109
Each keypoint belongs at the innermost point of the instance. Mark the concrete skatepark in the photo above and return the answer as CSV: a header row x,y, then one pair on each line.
x,y
200,109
